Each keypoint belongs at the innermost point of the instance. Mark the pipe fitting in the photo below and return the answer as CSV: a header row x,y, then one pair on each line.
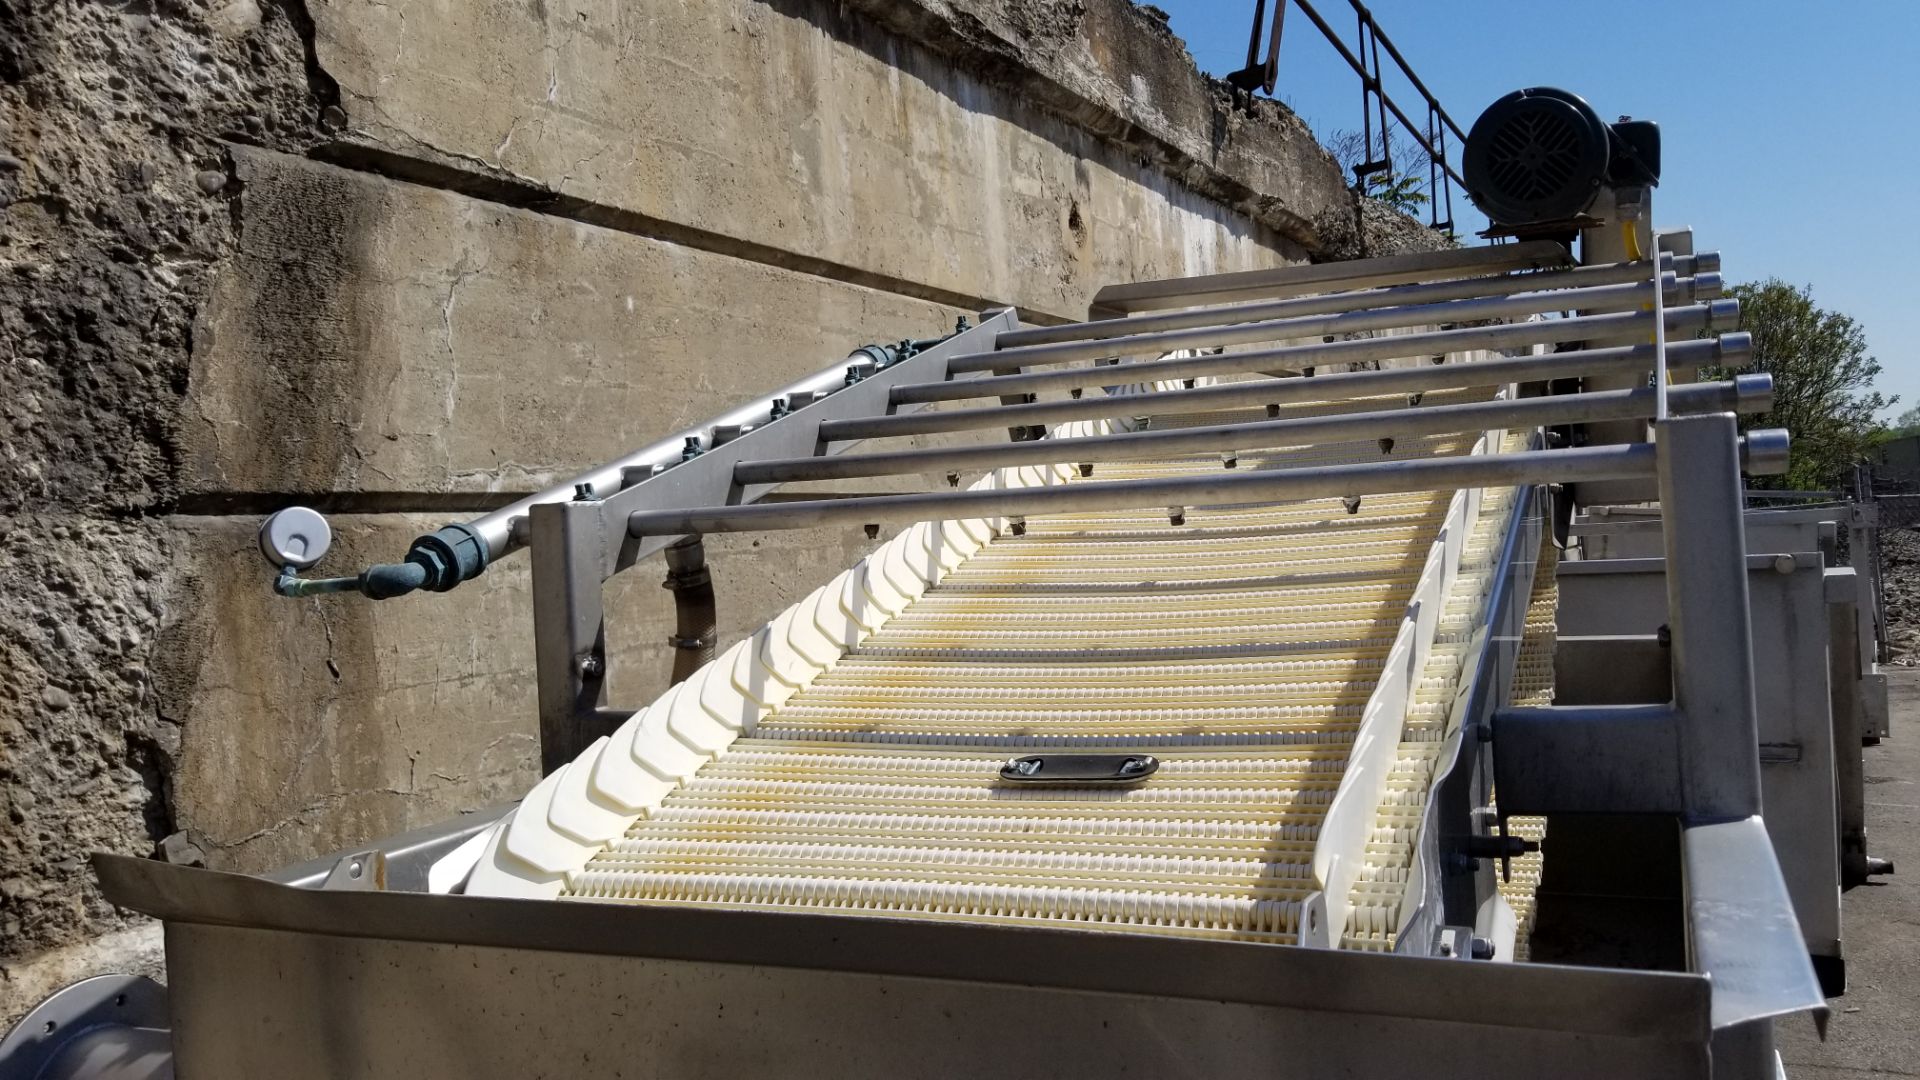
x,y
1753,392
1734,350
1766,452
696,617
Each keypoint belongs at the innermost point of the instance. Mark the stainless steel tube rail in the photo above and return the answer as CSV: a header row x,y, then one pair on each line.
x,y
1745,394
503,536
1733,350
498,529
1763,452
1720,314
1334,303
1127,298
1625,296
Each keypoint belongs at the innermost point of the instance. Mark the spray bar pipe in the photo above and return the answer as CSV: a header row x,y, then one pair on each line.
x,y
1733,350
1624,296
1359,300
441,560
1720,314
1746,394
1762,452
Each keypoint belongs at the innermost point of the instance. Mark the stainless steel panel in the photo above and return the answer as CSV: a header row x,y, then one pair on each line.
x,y
258,1003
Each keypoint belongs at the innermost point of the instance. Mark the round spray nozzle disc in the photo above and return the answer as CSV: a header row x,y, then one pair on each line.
x,y
295,537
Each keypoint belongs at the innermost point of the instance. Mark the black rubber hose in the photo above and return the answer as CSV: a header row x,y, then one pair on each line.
x,y
696,618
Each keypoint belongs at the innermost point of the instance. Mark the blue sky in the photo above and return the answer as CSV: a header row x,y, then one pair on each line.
x,y
1791,130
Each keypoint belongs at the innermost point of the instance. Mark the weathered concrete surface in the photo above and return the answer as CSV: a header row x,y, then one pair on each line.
x,y
803,127
113,126
317,724
1876,1026
83,747
558,233
1116,68
370,336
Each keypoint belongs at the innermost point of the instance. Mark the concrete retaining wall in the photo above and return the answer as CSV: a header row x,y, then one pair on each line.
x,y
411,259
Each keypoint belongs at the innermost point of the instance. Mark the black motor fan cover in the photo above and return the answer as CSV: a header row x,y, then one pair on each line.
x,y
1536,155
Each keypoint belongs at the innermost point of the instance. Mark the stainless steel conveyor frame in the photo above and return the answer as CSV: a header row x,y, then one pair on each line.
x,y
324,973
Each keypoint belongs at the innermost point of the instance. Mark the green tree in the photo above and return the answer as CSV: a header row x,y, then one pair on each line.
x,y
1822,381
1907,423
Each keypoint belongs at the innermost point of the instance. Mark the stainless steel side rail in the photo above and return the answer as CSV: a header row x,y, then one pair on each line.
x,y
303,984
1447,885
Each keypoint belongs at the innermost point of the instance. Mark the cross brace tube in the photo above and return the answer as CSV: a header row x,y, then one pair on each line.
x,y
1281,281
1288,485
1733,350
1746,394
1626,296
1717,315
1335,303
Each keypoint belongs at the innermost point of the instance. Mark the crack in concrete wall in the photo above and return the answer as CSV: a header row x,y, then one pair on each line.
x,y
253,254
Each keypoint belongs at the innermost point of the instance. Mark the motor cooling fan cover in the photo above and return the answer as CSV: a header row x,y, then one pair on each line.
x,y
1536,155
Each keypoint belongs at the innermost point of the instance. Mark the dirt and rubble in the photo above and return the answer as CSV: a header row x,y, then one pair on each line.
x,y
1900,588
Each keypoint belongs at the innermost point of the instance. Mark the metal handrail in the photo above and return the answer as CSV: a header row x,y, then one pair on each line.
x,y
1432,138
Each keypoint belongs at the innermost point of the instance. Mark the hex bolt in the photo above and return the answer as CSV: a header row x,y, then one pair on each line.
x,y
583,493
1483,949
780,408
1414,400
692,449
953,479
1783,564
1386,445
590,666
1024,766
873,530
961,325
1351,502
1230,460
1086,468
1176,515
1132,765
1074,393
1273,411
1018,526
